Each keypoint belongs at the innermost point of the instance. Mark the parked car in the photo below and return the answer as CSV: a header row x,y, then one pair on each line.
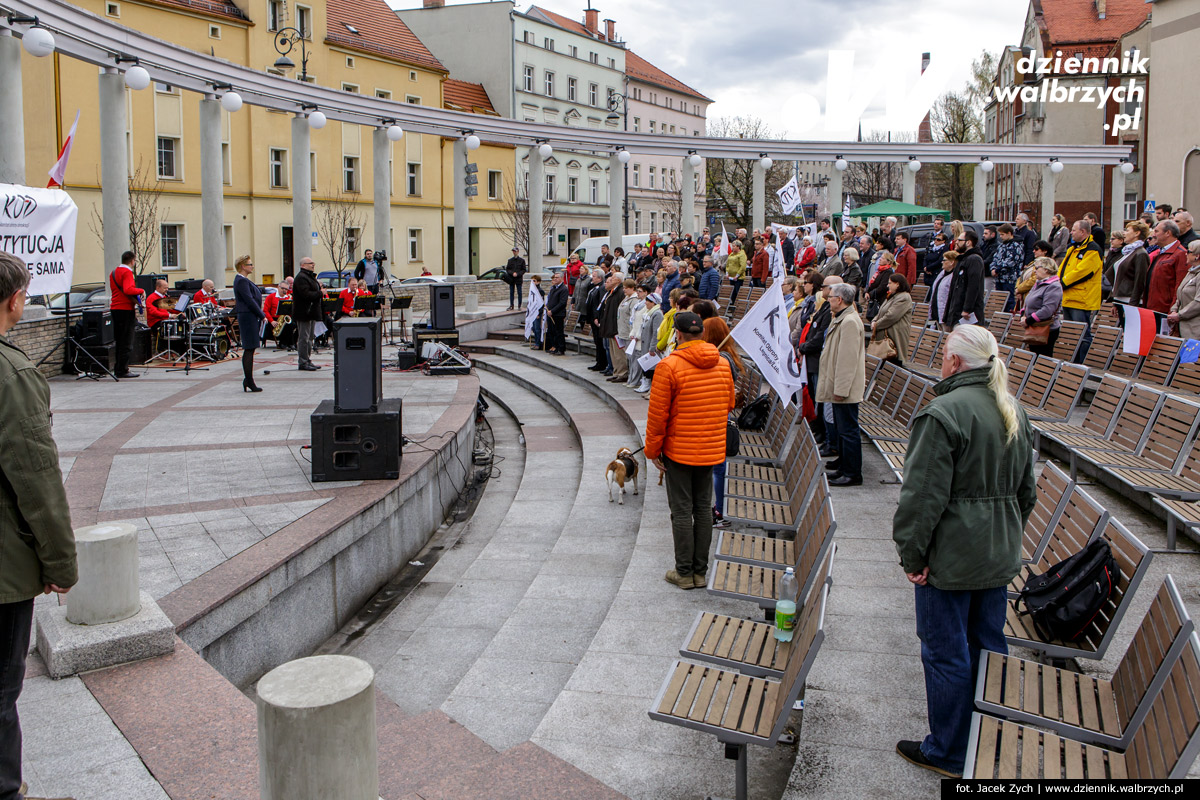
x,y
83,296
420,279
589,249
921,234
332,280
493,274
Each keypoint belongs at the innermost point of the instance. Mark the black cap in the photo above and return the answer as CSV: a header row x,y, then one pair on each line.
x,y
687,322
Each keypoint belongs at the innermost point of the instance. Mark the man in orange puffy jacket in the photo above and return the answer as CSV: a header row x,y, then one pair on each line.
x,y
690,401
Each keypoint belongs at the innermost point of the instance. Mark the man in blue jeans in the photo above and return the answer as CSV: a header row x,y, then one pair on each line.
x,y
968,491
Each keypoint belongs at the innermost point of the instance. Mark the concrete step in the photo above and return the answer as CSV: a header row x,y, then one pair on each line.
x,y
422,750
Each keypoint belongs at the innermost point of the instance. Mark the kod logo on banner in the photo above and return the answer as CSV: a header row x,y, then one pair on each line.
x,y
38,226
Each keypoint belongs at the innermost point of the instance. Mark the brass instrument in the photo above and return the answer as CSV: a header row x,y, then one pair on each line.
x,y
281,322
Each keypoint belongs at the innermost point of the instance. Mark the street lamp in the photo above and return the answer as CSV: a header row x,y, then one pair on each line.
x,y
618,108
285,42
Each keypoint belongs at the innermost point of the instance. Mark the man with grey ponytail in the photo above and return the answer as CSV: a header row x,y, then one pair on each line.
x,y
968,491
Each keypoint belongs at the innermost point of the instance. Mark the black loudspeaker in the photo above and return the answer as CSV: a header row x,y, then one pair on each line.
x,y
147,281
97,327
357,364
190,285
441,306
356,446
78,362
422,334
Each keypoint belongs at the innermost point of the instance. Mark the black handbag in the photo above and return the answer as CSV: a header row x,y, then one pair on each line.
x,y
754,416
733,440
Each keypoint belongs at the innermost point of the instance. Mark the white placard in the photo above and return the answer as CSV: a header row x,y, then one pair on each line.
x,y
649,361
38,226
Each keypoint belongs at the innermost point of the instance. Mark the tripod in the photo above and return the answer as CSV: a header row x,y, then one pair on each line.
x,y
93,370
189,355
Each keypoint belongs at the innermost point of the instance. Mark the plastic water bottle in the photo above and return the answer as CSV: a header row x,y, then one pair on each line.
x,y
785,606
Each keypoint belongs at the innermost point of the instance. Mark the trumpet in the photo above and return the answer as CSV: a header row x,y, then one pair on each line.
x,y
281,322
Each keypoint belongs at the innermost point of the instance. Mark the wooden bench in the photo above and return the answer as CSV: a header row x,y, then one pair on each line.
x,y
748,645
768,447
783,515
996,300
1052,491
1164,744
1019,367
1133,559
1038,381
1106,342
1101,415
1077,520
920,310
927,349
1088,709
775,486
998,324
1163,449
920,293
1065,393
748,548
1137,415
1186,378
742,709
1070,334
1158,365
918,393
915,332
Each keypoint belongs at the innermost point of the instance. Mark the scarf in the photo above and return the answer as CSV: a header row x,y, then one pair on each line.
x,y
1126,252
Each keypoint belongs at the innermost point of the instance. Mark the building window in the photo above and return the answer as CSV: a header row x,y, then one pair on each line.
x,y
652,126
412,75
673,182
595,192
696,182
572,190
413,186
612,63
349,62
276,14
349,87
304,21
412,100
495,184
572,89
637,222
593,92
528,37
383,94
312,170
1131,205
170,241
549,84
230,250
594,58
214,31
414,245
168,152
672,129
637,124
350,173
226,165
278,161
653,171
637,176
611,94
165,88
550,187
574,51
353,236
653,221
528,78
112,10
550,243
548,43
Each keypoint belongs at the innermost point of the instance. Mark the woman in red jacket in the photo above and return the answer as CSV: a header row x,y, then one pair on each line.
x,y
760,265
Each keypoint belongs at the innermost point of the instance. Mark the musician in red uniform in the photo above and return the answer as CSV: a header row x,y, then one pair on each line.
x,y
287,334
348,294
207,293
124,296
154,314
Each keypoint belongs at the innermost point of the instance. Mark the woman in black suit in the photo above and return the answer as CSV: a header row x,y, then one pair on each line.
x,y
250,316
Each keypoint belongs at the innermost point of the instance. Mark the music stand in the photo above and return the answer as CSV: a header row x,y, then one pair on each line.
x,y
402,303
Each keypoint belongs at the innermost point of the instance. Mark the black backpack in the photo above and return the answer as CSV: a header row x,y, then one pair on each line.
x,y
1063,601
754,417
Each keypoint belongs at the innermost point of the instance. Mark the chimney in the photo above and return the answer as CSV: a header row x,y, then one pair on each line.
x,y
924,62
610,30
591,20
1100,8
433,3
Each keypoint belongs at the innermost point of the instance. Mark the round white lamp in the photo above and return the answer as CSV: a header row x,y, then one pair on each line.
x,y
137,78
38,42
1056,167
545,150
395,133
623,156
231,102
914,165
316,120
766,162
694,159
472,142
986,165
841,165
1126,167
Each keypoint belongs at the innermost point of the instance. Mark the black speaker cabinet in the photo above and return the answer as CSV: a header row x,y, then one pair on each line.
x,y
78,360
422,334
357,364
147,281
189,285
97,327
362,446
441,306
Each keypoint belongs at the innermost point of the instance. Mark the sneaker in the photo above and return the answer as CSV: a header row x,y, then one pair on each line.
x,y
682,581
699,581
721,523
910,751
645,387
845,480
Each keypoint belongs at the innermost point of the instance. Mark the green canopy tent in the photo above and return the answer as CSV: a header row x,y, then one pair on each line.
x,y
892,208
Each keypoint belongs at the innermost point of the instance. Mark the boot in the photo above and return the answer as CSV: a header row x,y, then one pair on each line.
x,y
248,372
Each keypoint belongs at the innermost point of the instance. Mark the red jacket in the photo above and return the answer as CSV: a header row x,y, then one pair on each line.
x,y
348,298
271,307
690,401
806,259
201,297
1167,270
122,289
906,263
760,267
154,314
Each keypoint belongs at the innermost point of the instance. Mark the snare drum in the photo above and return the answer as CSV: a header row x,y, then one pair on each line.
x,y
211,341
170,329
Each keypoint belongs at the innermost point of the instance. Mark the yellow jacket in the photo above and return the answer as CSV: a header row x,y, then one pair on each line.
x,y
1080,275
665,329
735,265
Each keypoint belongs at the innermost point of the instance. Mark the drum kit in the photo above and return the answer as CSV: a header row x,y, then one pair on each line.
x,y
202,332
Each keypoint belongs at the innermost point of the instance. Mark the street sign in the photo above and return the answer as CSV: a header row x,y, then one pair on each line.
x,y
1149,209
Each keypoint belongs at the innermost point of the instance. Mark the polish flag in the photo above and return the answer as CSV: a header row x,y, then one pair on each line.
x,y
1140,328
58,173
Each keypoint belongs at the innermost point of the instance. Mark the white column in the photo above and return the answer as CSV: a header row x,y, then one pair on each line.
x,y
301,191
616,200
12,111
381,184
1117,214
908,191
758,192
212,193
1048,179
316,730
835,196
688,194
114,168
979,204
537,190
108,575
462,214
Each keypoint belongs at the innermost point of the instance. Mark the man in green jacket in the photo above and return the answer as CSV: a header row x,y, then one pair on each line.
x,y
37,545
968,490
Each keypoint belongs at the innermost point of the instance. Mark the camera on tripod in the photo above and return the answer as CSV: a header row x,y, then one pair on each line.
x,y
381,256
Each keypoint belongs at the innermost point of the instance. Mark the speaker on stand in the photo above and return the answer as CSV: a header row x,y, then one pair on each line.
x,y
441,306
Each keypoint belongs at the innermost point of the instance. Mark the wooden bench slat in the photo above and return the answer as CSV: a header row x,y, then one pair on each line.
x,y
700,709
673,688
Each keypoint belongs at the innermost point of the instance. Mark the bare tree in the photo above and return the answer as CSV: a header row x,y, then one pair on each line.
x,y
671,202
956,118
145,215
871,181
514,215
338,222
1030,184
730,181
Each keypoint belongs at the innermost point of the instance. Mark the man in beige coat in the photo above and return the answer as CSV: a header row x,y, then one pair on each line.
x,y
842,381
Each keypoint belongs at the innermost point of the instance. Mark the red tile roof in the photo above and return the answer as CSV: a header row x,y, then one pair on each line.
x,y
561,21
218,8
379,31
1072,21
638,68
462,96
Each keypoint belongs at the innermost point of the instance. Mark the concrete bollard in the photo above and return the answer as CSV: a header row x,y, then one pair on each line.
x,y
108,575
471,311
472,303
316,730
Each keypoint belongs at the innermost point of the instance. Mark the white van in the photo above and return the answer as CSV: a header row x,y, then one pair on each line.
x,y
589,249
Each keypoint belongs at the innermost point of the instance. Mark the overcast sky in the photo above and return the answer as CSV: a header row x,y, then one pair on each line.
x,y
763,57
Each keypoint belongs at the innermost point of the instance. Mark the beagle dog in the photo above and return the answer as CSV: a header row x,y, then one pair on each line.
x,y
622,468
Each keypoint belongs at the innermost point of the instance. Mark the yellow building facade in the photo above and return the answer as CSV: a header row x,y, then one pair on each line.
x,y
163,135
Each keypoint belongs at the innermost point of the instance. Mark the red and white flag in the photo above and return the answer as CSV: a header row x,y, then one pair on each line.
x,y
58,173
1140,328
